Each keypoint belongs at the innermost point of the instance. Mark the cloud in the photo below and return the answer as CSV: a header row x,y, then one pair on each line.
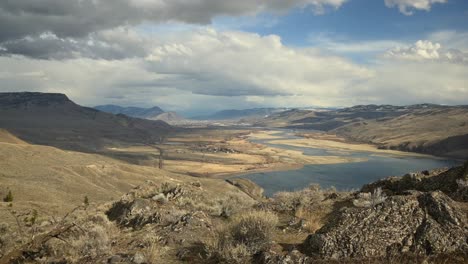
x,y
407,6
454,39
23,22
113,44
411,82
424,50
206,69
234,63
197,64
346,46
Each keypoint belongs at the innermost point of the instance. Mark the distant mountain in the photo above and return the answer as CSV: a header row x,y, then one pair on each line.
x,y
169,117
53,119
147,113
232,114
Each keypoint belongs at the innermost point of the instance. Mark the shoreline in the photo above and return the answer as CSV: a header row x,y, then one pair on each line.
x,y
338,144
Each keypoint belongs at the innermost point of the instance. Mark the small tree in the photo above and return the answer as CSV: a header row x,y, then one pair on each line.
x,y
9,197
86,201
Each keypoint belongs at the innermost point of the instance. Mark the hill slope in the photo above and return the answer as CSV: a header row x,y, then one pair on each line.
x,y
169,117
146,113
53,119
426,128
239,114
54,181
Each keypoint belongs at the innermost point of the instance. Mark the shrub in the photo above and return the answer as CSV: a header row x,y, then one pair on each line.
x,y
290,201
87,242
9,197
86,201
93,243
247,234
253,229
7,239
370,199
462,183
220,206
31,220
312,220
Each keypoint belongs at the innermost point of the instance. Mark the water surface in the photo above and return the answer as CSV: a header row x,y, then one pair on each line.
x,y
343,176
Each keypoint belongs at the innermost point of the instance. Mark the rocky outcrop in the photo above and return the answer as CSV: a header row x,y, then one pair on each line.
x,y
452,182
27,99
137,209
134,213
419,223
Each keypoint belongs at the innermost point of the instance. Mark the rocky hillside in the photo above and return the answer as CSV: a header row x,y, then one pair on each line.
x,y
170,118
145,113
418,218
235,114
53,119
154,113
426,128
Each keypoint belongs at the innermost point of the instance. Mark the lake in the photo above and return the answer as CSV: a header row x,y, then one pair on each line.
x,y
343,176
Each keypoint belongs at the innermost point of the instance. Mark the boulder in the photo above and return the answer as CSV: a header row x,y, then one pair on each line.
x,y
417,223
450,181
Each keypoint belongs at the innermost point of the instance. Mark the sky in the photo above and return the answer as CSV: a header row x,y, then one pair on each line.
x,y
200,56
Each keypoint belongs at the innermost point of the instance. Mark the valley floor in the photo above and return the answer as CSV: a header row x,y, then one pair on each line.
x,y
223,153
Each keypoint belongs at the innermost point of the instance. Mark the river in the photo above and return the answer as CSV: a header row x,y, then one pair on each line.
x,y
342,176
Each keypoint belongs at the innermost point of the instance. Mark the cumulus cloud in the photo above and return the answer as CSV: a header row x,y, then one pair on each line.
x,y
237,63
426,50
407,6
23,22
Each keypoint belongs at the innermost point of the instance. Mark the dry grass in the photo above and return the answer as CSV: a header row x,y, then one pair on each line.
x,y
246,234
313,221
89,241
152,251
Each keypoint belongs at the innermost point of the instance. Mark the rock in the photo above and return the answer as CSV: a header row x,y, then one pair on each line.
x,y
139,258
443,180
134,213
160,198
272,257
184,254
419,223
173,192
114,259
196,184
